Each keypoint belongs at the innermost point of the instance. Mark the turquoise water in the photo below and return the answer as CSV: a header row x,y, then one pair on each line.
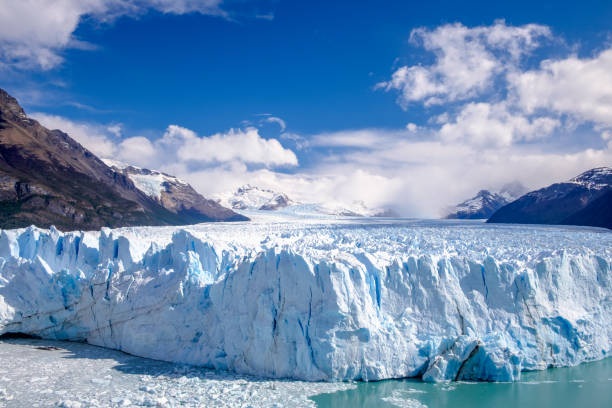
x,y
585,386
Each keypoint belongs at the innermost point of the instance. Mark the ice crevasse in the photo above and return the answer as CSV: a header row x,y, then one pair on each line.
x,y
320,302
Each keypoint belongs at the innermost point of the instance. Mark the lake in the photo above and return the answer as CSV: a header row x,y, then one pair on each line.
x,y
586,385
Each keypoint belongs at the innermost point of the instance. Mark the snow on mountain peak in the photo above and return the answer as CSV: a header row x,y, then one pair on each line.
x,y
597,178
485,203
150,182
250,197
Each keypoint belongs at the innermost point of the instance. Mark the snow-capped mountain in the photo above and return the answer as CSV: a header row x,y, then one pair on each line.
x,y
354,209
599,178
174,194
331,300
250,197
583,200
485,203
47,178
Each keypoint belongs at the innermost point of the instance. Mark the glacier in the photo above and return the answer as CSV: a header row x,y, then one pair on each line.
x,y
322,299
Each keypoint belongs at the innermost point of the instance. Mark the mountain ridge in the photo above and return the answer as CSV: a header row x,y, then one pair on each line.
x,y
485,202
582,200
172,193
47,178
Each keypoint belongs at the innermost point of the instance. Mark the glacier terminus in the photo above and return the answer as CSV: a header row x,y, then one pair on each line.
x,y
321,299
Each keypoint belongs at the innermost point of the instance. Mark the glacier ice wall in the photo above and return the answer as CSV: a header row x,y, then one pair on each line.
x,y
320,302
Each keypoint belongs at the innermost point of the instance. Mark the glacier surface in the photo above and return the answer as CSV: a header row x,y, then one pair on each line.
x,y
336,299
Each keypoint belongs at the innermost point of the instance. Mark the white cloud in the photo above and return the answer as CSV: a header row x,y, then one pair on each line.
x,y
418,173
245,146
581,88
501,123
519,130
300,141
135,150
33,33
466,60
485,124
100,139
332,185
279,121
356,138
424,175
176,145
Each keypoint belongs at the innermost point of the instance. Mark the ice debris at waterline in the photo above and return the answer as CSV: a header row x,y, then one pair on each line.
x,y
320,301
49,373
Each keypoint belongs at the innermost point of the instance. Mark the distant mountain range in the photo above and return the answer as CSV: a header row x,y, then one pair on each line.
x,y
47,178
583,200
485,203
250,197
174,194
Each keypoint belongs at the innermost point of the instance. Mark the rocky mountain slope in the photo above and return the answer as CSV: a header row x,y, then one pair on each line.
x,y
47,178
174,194
583,200
485,203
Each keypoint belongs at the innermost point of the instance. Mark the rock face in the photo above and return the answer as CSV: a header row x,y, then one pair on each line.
x,y
583,200
47,178
175,195
320,301
485,203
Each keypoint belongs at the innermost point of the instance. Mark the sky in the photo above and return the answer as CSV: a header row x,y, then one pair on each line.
x,y
413,106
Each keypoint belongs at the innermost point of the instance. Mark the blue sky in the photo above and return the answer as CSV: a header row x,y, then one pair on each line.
x,y
314,89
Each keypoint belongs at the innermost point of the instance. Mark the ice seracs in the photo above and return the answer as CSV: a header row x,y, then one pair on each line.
x,y
325,300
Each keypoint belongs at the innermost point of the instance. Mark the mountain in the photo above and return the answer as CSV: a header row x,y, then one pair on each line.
x,y
174,194
583,200
47,178
355,209
250,197
485,203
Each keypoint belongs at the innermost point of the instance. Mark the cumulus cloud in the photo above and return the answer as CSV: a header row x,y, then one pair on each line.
x,y
33,33
485,124
176,145
581,88
501,123
423,175
418,172
356,138
331,185
245,146
466,60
